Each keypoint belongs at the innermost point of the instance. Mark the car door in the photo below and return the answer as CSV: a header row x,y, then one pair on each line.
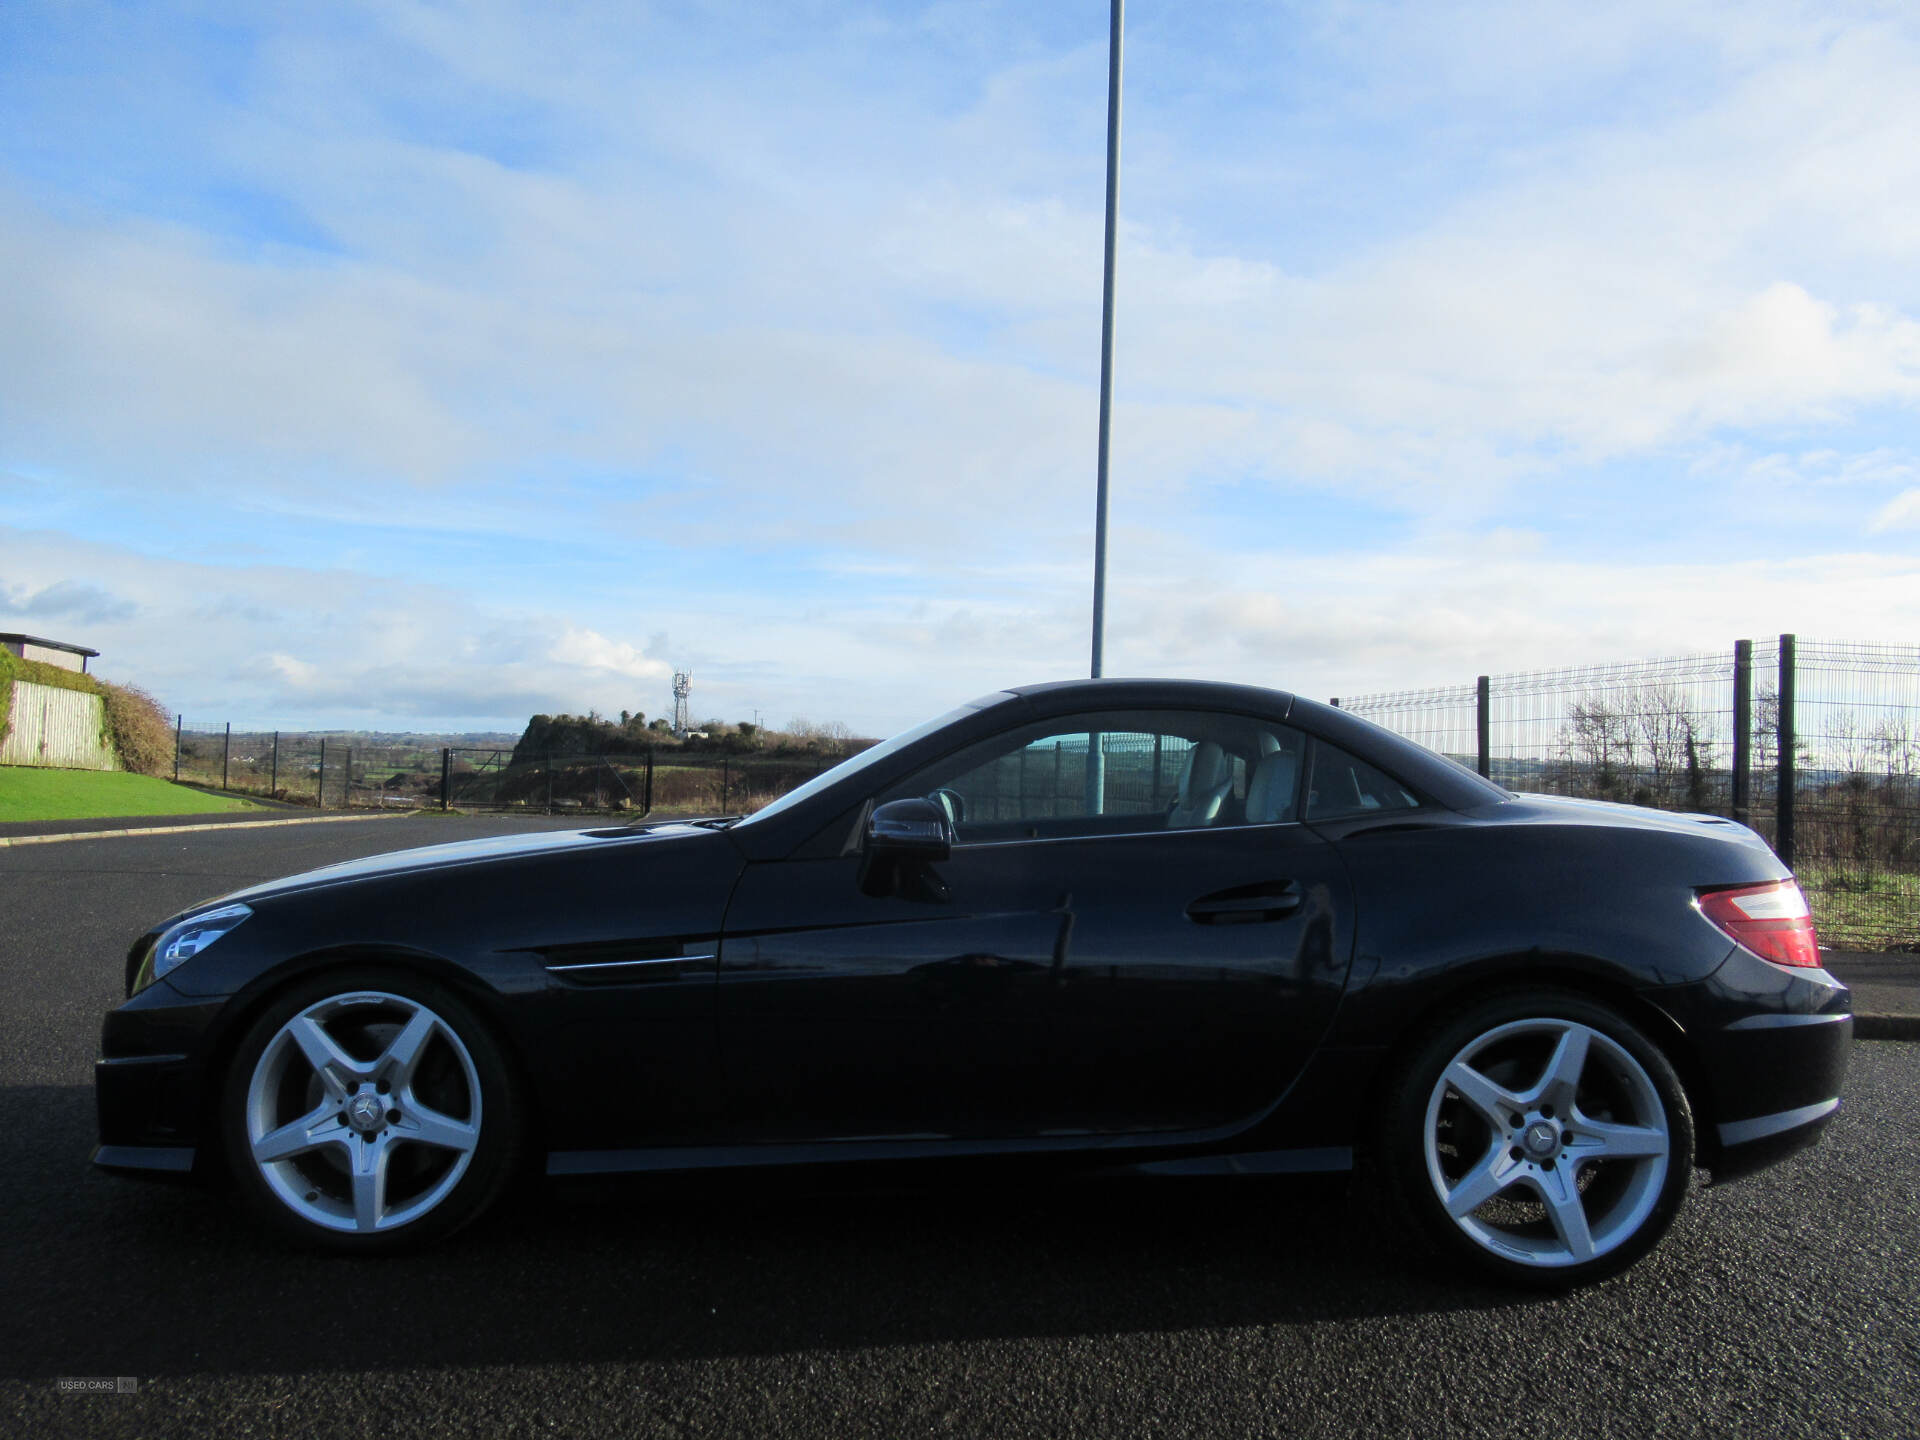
x,y
1114,945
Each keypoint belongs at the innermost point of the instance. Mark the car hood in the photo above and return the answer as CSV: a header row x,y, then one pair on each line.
x,y
462,853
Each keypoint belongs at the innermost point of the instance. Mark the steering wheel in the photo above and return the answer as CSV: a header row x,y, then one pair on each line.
x,y
953,803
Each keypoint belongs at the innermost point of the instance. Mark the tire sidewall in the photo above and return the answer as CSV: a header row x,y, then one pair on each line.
x,y
494,1156
1400,1145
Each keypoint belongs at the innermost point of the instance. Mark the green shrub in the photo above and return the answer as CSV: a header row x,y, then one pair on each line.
x,y
142,732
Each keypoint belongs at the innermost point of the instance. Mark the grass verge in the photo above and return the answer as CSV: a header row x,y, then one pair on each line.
x,y
32,794
1855,908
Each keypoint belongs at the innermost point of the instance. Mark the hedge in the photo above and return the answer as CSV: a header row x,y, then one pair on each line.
x,y
133,722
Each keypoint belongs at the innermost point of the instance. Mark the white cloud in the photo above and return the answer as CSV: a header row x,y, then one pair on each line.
x,y
593,651
1900,513
299,675
836,294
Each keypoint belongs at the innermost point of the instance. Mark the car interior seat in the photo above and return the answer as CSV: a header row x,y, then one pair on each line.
x,y
1270,792
1203,787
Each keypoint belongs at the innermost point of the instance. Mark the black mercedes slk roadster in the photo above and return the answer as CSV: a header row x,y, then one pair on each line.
x,y
1157,926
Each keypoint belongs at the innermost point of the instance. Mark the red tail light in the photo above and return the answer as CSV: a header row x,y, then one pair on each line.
x,y
1771,920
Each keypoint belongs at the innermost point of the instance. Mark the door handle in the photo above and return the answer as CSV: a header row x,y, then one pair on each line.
x,y
1247,904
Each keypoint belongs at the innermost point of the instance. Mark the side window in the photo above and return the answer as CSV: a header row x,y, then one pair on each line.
x,y
1073,774
1118,772
1345,786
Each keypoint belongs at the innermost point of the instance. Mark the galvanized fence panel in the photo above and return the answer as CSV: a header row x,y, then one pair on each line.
x,y
1440,717
1654,733
1856,770
1839,722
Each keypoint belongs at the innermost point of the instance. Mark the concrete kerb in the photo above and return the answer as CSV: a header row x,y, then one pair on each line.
x,y
57,838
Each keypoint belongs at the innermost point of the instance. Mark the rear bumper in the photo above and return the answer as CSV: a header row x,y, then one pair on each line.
x,y
1750,1145
1771,1046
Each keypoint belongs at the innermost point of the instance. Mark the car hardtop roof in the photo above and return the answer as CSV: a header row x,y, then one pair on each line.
x,y
1052,695
1436,776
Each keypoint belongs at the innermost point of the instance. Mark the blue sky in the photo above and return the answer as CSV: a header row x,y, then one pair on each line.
x,y
415,366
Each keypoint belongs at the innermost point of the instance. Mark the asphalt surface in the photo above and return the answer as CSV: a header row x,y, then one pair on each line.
x,y
1788,1304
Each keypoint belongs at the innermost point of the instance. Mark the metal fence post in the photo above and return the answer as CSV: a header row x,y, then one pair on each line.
x,y
320,788
1783,826
273,782
226,754
177,722
1483,723
1743,732
446,776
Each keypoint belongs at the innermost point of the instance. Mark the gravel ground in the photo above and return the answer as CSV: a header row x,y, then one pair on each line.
x,y
1785,1305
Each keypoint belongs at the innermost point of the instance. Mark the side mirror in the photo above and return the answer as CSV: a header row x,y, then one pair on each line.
x,y
909,829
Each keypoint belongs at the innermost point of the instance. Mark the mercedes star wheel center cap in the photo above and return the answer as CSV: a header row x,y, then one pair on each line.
x,y
1541,1140
366,1112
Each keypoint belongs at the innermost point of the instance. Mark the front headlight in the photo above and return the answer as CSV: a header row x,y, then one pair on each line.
x,y
181,942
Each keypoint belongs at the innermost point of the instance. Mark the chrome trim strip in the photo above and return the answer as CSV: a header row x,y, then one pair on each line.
x,y
1740,1132
1121,835
161,1159
1781,1022
626,964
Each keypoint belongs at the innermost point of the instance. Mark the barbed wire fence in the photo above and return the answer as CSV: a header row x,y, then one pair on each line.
x,y
1815,744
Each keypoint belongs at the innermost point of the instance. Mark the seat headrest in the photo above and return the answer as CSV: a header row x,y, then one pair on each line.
x,y
1208,768
1270,792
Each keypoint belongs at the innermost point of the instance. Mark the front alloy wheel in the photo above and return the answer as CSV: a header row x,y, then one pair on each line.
x,y
366,1116
1543,1139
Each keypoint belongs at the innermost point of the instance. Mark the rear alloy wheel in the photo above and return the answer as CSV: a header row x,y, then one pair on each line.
x,y
369,1112
1541,1139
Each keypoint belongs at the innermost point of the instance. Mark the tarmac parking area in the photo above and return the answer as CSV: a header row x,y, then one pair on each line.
x,y
1785,1305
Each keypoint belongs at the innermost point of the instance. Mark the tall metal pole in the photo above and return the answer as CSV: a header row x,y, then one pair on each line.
x,y
1483,725
1106,338
1743,732
1783,796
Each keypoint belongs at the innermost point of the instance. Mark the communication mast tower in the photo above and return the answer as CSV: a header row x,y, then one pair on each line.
x,y
682,683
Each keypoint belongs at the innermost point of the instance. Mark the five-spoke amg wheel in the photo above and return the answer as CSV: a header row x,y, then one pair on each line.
x,y
369,1110
1539,1137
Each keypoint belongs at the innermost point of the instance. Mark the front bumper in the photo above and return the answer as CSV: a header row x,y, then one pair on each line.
x,y
150,1086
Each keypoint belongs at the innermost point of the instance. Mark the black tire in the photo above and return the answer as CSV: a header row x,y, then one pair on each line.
x,y
1492,1173
407,1128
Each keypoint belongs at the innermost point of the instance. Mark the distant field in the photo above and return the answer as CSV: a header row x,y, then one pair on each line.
x,y
31,794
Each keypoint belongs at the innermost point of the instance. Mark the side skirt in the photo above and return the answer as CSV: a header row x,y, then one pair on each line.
x,y
1096,1150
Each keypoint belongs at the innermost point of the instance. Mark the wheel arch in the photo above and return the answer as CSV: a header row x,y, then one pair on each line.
x,y
1589,982
238,1017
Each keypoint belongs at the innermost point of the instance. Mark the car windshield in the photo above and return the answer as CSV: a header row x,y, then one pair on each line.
x,y
854,764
